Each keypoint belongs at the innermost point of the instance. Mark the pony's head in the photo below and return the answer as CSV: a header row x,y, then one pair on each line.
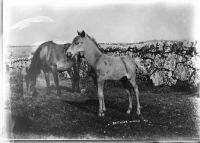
x,y
77,46
30,83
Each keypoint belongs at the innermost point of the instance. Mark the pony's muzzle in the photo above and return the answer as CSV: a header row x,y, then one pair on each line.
x,y
81,54
69,54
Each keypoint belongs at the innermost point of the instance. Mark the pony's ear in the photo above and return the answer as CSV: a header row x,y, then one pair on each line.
x,y
79,33
82,34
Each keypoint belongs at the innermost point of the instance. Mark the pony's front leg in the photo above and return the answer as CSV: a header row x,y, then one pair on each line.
x,y
70,72
46,75
102,107
55,76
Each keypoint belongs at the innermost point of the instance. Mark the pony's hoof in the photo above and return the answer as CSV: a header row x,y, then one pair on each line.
x,y
138,112
101,114
128,111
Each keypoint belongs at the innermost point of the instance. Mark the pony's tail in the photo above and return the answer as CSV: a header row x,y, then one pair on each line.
x,y
140,64
35,66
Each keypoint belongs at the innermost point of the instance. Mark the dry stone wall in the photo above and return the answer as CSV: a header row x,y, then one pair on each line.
x,y
166,61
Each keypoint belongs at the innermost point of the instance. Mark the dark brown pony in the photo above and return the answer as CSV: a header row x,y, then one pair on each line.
x,y
108,68
49,57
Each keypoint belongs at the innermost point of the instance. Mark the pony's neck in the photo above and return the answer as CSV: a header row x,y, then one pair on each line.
x,y
32,74
92,53
33,70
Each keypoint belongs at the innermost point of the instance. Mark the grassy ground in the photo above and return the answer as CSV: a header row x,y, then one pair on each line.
x,y
167,114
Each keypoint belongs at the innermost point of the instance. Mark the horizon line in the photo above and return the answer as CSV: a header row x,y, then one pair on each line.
x,y
139,42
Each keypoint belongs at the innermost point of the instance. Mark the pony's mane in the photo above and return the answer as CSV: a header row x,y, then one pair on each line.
x,y
94,40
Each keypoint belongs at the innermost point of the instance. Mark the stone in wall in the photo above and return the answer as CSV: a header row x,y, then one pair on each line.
x,y
172,81
167,49
156,78
158,61
180,72
149,56
170,62
148,65
159,77
180,59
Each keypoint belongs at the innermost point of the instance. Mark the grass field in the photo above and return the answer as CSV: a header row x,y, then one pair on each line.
x,y
168,114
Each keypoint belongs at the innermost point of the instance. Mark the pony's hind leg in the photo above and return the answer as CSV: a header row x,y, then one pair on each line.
x,y
132,81
55,76
130,101
102,107
128,87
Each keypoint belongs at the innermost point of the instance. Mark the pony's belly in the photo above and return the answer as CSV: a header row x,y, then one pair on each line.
x,y
115,76
64,65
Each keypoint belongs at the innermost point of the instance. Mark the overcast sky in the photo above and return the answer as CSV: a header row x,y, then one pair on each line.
x,y
113,22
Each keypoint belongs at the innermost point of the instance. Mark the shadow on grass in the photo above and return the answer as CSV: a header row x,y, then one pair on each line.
x,y
113,111
84,105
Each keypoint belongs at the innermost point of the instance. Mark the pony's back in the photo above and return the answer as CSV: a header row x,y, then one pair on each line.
x,y
47,54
